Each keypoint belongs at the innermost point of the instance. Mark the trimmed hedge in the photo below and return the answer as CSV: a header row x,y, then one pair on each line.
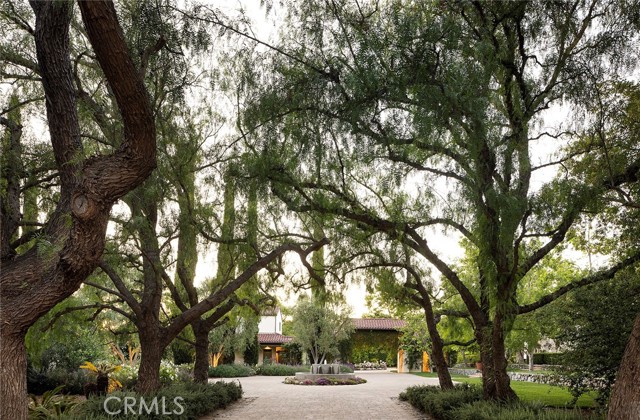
x,y
231,371
197,400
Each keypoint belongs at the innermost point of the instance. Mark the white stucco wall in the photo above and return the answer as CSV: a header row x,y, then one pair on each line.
x,y
271,324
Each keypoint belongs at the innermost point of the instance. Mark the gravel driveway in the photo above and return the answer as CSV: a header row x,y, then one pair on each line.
x,y
267,397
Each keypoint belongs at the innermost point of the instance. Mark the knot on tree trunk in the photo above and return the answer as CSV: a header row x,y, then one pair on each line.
x,y
83,207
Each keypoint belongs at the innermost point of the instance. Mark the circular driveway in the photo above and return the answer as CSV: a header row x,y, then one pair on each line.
x,y
267,397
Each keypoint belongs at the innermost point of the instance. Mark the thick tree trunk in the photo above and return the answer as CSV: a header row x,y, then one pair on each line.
x,y
151,348
437,353
483,337
13,371
625,399
201,366
501,378
34,282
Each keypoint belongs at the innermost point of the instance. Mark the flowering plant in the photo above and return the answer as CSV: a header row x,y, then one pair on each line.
x,y
381,364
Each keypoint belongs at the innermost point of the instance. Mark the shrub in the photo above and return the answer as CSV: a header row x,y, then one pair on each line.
x,y
438,403
198,400
280,370
347,368
41,380
169,374
231,371
486,410
127,376
547,358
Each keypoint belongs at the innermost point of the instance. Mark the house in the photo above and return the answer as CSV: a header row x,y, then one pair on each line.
x,y
270,338
376,339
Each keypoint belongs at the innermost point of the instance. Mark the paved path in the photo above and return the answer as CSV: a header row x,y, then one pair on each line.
x,y
267,398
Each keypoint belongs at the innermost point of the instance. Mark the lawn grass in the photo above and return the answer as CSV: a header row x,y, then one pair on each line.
x,y
549,395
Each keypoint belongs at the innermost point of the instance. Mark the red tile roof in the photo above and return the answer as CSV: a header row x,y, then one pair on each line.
x,y
378,323
273,338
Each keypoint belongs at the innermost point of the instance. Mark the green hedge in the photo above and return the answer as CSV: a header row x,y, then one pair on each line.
x,y
438,403
231,371
197,400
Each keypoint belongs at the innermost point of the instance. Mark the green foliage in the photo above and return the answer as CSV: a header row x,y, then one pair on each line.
x,y
198,400
319,329
415,339
42,380
182,352
51,405
547,358
52,348
372,346
292,354
251,352
280,370
487,410
602,318
548,395
438,403
169,374
231,371
325,381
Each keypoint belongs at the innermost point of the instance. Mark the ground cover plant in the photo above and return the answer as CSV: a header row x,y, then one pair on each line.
x,y
51,404
325,381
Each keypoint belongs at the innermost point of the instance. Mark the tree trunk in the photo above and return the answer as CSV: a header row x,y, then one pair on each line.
x,y
35,281
501,378
437,353
483,337
13,371
625,399
201,366
151,348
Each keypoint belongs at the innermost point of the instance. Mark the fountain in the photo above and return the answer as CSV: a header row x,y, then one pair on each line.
x,y
325,371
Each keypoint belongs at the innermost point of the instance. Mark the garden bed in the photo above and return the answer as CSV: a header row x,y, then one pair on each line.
x,y
324,381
